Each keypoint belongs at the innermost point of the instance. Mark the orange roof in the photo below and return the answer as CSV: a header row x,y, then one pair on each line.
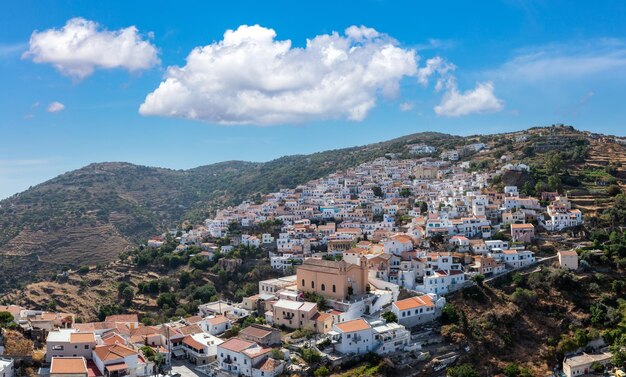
x,y
269,365
217,320
79,337
354,325
115,339
122,318
112,352
116,367
191,329
402,238
236,345
414,302
193,319
68,365
191,342
522,226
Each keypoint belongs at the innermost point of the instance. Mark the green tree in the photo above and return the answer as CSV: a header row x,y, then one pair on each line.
x,y
128,294
479,279
449,314
6,318
390,317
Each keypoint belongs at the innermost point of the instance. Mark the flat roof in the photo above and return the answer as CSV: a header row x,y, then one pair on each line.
x,y
68,365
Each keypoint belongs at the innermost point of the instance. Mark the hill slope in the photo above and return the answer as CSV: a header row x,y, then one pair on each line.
x,y
92,214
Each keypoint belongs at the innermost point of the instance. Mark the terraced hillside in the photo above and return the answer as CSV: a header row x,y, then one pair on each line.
x,y
91,215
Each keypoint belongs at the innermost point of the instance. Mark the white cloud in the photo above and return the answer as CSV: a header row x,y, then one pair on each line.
x,y
81,46
250,77
406,106
481,99
55,107
439,66
577,60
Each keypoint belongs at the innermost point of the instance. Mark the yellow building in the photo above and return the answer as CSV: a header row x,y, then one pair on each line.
x,y
332,279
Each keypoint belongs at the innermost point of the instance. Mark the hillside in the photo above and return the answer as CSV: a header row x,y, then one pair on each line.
x,y
90,215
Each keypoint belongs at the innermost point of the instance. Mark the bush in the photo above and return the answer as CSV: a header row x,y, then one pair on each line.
x,y
479,279
83,270
449,315
613,190
390,317
321,372
524,297
310,355
463,370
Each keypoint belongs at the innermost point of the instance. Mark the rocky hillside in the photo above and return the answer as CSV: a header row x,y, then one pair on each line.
x,y
90,215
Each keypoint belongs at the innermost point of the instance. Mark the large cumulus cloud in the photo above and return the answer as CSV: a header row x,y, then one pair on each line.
x,y
251,77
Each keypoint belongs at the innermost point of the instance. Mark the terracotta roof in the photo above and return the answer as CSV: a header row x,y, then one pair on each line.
x,y
257,331
193,319
191,342
68,365
354,325
112,352
414,302
236,345
122,318
522,226
114,338
13,309
321,317
217,320
269,365
189,330
79,337
115,367
402,238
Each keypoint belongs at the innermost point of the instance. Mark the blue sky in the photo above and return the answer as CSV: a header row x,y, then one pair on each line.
x,y
516,64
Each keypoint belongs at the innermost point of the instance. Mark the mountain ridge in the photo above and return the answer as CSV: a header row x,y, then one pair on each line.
x,y
91,214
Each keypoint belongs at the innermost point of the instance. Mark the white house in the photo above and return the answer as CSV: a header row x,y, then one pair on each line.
x,y
390,337
245,358
355,336
398,244
416,310
121,360
517,258
217,324
201,348
7,368
443,281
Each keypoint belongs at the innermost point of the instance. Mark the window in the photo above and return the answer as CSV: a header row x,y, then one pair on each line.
x,y
334,288
303,282
57,348
76,347
323,287
86,346
313,284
